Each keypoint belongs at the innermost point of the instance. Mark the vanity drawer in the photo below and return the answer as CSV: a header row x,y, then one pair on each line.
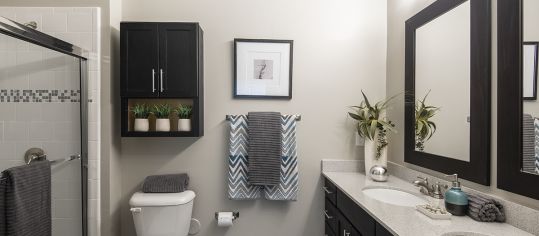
x,y
330,190
331,216
359,218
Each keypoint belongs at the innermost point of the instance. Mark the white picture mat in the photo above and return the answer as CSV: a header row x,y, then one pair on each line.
x,y
246,53
528,70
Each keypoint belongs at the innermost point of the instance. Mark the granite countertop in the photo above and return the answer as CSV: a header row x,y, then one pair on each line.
x,y
406,221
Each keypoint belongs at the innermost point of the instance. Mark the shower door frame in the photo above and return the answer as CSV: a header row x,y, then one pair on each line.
x,y
25,33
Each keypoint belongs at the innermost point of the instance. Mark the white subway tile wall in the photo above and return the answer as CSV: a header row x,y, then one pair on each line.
x,y
41,118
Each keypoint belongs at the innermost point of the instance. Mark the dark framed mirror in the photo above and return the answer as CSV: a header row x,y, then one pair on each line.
x,y
518,126
448,74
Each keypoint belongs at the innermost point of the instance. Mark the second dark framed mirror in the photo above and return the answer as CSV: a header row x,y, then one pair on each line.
x,y
448,74
518,112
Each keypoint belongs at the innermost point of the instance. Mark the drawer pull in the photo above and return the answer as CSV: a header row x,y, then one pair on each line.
x,y
327,216
326,190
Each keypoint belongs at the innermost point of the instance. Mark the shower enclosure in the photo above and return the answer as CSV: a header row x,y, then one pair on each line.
x,y
43,115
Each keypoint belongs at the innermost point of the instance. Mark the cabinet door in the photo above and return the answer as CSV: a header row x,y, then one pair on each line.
x,y
346,228
178,51
139,59
381,231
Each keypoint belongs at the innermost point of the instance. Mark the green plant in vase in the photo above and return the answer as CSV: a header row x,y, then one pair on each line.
x,y
184,114
424,126
162,113
373,126
141,112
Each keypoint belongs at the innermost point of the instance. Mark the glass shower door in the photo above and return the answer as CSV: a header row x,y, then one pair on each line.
x,y
40,108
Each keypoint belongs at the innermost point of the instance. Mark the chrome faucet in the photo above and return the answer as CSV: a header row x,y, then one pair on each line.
x,y
429,190
423,184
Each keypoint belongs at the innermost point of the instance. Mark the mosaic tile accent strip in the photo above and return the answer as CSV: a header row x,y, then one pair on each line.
x,y
39,95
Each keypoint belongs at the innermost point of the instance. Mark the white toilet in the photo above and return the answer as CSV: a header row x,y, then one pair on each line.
x,y
162,214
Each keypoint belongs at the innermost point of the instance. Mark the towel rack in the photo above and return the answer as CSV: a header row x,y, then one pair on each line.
x,y
37,154
298,117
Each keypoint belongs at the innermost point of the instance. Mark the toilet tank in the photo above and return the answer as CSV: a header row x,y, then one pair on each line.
x,y
162,214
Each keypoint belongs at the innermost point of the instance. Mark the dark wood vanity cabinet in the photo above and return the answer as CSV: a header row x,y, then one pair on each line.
x,y
344,217
161,59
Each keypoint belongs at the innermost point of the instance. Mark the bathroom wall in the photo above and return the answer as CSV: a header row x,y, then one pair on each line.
x,y
79,27
398,12
339,49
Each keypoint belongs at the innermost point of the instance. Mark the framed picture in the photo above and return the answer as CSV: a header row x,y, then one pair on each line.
x,y
263,68
529,70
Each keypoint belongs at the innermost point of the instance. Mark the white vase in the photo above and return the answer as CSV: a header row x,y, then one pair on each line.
x,y
162,125
370,154
142,125
184,125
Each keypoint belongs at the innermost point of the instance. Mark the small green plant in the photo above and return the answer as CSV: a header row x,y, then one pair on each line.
x,y
184,111
371,119
141,111
162,111
424,127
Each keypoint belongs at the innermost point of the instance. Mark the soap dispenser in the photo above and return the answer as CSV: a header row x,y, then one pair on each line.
x,y
456,201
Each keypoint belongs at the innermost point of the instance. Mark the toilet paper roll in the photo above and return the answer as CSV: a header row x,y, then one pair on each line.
x,y
224,219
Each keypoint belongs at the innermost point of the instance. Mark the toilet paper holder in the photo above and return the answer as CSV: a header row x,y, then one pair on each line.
x,y
235,215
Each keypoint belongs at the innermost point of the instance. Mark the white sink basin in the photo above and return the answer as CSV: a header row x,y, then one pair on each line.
x,y
394,197
463,234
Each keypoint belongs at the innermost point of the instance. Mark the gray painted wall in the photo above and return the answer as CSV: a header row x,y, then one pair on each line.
x,y
398,12
339,48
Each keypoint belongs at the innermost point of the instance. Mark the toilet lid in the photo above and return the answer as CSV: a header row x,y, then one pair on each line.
x,y
161,199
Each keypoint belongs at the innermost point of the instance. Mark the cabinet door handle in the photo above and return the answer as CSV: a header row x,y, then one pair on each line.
x,y
326,190
327,216
161,77
153,80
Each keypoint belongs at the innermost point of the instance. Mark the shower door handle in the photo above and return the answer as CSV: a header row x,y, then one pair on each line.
x,y
161,80
153,81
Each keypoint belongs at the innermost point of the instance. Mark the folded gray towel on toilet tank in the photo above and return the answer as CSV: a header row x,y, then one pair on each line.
x,y
171,183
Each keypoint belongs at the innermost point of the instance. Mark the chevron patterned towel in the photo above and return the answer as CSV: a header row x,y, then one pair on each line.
x,y
238,163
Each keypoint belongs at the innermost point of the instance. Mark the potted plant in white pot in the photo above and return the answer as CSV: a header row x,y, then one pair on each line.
x,y
424,126
162,114
373,126
141,113
184,117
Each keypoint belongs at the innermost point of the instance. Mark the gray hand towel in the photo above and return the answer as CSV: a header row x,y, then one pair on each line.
x,y
265,148
172,183
484,209
25,207
528,143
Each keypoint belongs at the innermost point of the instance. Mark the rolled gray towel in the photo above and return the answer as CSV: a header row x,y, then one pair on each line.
x,y
484,209
171,183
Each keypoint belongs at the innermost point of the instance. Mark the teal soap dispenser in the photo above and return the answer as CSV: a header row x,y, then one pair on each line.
x,y
456,201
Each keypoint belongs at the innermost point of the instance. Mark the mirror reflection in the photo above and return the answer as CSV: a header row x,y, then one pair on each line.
x,y
530,118
442,85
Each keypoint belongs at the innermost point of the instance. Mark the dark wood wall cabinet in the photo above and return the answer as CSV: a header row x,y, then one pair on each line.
x,y
162,62
344,217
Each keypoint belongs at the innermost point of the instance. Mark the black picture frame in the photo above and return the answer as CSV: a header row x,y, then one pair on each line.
x,y
534,93
240,40
478,168
510,176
